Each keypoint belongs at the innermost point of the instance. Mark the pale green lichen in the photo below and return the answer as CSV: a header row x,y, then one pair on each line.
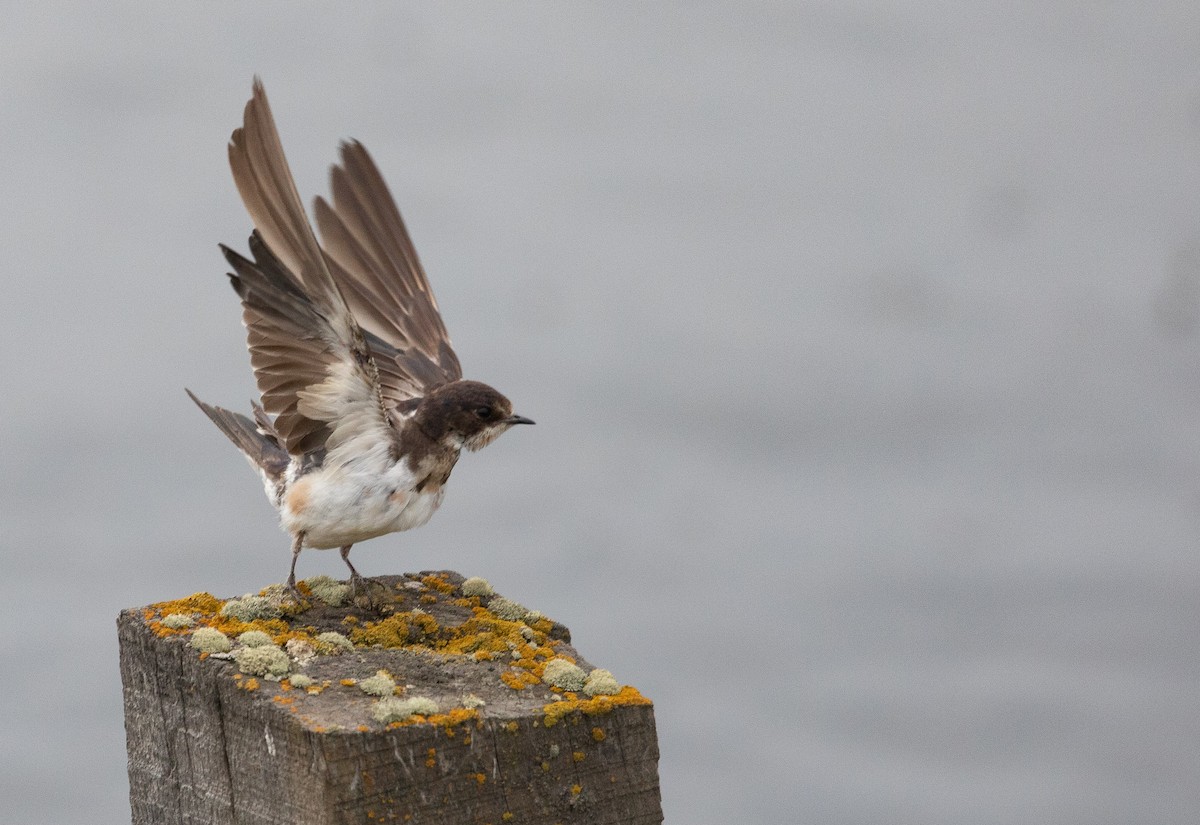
x,y
175,621
249,608
562,674
255,638
601,682
392,709
332,642
299,680
210,640
269,661
302,650
381,684
329,590
477,586
423,705
470,701
507,609
283,598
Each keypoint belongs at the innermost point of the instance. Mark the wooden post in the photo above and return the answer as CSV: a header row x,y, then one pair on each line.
x,y
437,704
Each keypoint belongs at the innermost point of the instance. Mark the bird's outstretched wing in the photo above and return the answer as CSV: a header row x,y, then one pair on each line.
x,y
373,261
311,359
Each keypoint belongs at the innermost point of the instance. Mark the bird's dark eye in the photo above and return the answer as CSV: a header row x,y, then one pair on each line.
x,y
484,413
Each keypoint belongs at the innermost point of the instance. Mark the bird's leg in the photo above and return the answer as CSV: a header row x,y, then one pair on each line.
x,y
297,544
354,574
357,580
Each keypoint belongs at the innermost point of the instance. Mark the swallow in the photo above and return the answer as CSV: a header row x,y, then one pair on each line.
x,y
364,411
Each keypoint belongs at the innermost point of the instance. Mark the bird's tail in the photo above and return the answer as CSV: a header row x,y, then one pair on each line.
x,y
257,439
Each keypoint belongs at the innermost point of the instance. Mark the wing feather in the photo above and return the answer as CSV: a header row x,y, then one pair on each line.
x,y
374,262
311,360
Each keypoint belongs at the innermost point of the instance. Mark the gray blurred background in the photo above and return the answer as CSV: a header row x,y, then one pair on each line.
x,y
863,341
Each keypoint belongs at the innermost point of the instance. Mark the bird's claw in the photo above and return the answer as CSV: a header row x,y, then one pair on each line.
x,y
361,585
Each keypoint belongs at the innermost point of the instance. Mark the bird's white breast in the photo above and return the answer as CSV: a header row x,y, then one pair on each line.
x,y
336,506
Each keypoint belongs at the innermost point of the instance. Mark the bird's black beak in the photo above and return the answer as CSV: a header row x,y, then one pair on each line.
x,y
518,419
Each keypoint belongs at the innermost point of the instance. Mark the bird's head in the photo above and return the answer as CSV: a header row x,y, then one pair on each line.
x,y
466,414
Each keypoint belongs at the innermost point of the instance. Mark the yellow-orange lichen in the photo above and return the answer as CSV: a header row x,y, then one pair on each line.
x,y
518,679
438,583
556,711
390,632
399,630
447,721
195,603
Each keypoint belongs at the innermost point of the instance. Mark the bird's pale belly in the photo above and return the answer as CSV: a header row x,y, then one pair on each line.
x,y
334,512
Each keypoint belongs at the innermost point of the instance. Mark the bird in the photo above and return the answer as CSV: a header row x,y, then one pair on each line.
x,y
364,410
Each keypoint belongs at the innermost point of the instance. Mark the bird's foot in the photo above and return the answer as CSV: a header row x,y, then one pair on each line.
x,y
290,589
360,586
